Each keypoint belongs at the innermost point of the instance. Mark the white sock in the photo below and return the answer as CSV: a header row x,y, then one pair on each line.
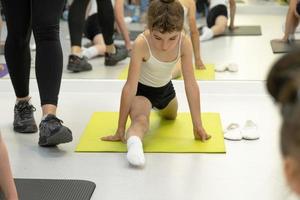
x,y
291,38
135,154
207,34
90,52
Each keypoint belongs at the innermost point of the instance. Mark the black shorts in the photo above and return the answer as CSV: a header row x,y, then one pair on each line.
x,y
214,13
159,97
92,27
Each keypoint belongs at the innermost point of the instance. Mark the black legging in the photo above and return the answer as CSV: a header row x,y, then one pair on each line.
x,y
41,17
77,18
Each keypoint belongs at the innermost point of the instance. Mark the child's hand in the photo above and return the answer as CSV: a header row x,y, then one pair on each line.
x,y
199,64
118,136
200,134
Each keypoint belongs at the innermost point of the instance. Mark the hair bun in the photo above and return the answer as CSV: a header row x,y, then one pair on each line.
x,y
167,1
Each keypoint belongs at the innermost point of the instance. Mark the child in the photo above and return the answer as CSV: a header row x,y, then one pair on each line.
x,y
7,185
283,84
154,55
93,30
217,19
190,28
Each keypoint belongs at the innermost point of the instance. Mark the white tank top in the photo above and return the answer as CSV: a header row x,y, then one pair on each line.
x,y
186,25
214,3
155,73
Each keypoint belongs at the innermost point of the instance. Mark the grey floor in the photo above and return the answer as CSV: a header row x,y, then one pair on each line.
x,y
249,169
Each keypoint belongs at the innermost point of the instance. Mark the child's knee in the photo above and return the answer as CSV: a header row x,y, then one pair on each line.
x,y
143,120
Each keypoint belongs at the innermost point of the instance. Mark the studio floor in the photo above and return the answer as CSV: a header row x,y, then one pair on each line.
x,y
248,170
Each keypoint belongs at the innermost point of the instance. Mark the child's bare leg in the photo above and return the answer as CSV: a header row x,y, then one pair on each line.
x,y
220,25
99,44
176,73
217,29
170,112
7,184
97,49
139,114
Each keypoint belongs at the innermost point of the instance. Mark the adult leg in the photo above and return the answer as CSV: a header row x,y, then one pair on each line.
x,y
76,21
106,21
49,57
17,55
77,11
139,114
49,61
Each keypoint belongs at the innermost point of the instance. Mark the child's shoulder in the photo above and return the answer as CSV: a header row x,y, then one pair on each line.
x,y
140,45
186,43
140,39
185,40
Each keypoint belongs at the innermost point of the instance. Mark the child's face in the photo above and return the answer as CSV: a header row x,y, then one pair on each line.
x,y
164,41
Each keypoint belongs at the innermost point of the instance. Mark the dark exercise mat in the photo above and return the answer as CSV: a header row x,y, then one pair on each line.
x,y
132,35
243,30
284,47
51,189
240,31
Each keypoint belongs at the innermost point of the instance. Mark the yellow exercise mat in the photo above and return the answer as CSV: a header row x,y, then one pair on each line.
x,y
164,135
207,74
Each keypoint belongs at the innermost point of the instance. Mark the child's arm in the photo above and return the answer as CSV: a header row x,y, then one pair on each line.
x,y
129,90
195,35
7,185
232,5
119,13
192,89
291,21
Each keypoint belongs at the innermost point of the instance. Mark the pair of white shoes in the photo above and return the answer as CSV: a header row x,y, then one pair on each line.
x,y
231,66
248,132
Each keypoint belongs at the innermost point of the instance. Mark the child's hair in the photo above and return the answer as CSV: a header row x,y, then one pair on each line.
x,y
165,16
283,83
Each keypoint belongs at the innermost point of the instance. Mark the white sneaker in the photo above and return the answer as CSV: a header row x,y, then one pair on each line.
x,y
233,67
233,132
221,68
250,131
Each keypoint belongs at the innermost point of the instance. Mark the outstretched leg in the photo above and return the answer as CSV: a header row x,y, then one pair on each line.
x,y
139,114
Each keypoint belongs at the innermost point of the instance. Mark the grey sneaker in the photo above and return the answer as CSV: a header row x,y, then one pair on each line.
x,y
52,132
112,59
77,64
23,117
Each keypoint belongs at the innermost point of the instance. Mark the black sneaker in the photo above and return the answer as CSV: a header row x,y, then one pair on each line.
x,y
112,59
23,118
77,64
52,132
